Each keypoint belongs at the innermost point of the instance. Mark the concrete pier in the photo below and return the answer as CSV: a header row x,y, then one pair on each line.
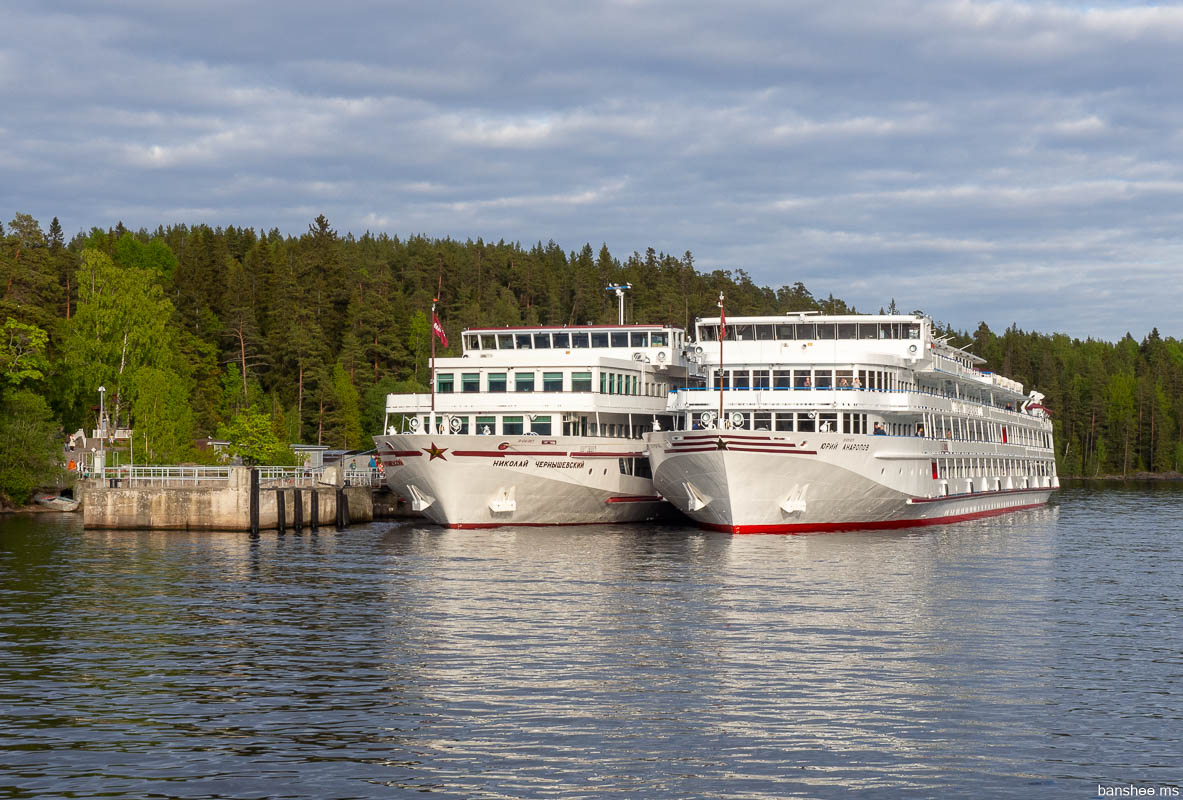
x,y
219,501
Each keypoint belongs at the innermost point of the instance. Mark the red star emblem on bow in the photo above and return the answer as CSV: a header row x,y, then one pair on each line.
x,y
435,452
720,444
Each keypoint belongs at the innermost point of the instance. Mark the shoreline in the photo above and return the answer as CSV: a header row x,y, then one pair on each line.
x,y
1156,477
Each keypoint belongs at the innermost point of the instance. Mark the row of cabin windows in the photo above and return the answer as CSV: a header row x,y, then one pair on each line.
x,y
875,380
509,425
610,382
801,421
810,331
566,340
540,424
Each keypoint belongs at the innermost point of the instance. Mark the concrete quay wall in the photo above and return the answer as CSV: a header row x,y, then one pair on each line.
x,y
222,506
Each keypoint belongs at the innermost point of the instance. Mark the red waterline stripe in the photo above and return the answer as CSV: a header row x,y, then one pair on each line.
x,y
741,449
821,527
406,453
606,455
509,453
653,498
469,526
694,437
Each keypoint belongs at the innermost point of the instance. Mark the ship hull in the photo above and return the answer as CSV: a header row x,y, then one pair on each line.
x,y
825,482
468,481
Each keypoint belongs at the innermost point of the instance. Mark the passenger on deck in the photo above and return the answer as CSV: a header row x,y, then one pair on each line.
x,y
879,431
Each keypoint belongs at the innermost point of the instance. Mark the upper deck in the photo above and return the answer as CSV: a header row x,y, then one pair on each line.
x,y
577,344
904,341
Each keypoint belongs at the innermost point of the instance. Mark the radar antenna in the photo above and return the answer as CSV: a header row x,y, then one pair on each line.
x,y
619,289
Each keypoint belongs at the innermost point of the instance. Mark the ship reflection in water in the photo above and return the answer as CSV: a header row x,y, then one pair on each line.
x,y
1029,653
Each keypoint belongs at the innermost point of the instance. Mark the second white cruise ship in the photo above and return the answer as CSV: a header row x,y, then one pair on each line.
x,y
843,422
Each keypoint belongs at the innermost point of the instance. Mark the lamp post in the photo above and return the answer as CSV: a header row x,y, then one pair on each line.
x,y
102,428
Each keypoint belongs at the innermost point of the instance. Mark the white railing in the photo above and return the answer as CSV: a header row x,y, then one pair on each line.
x,y
363,477
171,476
290,476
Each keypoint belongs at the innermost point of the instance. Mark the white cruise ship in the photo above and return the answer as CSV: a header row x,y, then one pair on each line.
x,y
537,426
844,422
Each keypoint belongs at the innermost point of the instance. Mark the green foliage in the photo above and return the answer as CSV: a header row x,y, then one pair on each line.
x,y
123,324
162,417
30,445
347,408
22,352
317,328
252,438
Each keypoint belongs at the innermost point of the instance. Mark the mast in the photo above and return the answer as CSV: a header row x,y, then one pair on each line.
x,y
722,334
434,300
431,377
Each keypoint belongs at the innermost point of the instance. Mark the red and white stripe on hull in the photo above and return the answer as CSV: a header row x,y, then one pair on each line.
x,y
889,524
813,482
471,481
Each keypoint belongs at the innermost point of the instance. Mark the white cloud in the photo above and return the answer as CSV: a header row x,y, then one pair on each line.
x,y
1028,155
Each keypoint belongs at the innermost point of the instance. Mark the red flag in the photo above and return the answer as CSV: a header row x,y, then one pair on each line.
x,y
437,330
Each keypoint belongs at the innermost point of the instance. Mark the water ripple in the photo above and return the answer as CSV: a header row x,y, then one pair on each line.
x,y
1030,654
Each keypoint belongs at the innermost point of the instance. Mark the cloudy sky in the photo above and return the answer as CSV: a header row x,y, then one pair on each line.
x,y
1006,162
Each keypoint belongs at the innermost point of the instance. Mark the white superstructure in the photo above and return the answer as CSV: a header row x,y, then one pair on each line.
x,y
537,426
839,422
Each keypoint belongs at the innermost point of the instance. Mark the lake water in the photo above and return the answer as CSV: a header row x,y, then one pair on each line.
x,y
1031,655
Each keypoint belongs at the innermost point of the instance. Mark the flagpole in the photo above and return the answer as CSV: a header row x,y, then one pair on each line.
x,y
722,333
434,300
432,336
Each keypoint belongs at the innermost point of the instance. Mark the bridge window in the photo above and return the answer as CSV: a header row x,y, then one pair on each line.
x,y
847,330
825,330
580,340
764,333
806,331
743,333
522,340
784,332
542,341
619,338
599,338
561,340
505,341
488,341
868,330
659,339
638,339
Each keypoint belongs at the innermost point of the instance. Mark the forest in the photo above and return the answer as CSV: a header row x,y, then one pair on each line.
x,y
199,331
